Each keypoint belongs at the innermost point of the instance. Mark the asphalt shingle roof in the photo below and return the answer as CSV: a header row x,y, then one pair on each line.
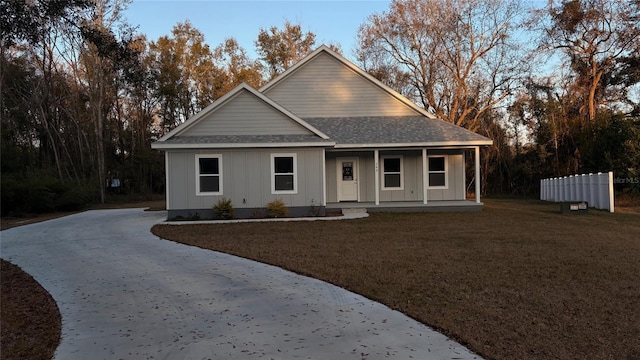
x,y
246,139
355,131
392,129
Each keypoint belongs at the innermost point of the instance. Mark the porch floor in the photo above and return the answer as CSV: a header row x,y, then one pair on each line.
x,y
409,206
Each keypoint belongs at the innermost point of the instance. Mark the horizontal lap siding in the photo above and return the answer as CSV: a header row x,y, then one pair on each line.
x,y
246,177
245,114
324,87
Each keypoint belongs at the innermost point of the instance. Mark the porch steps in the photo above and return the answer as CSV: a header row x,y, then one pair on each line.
x,y
349,211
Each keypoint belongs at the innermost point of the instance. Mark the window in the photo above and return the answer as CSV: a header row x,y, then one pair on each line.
x,y
392,178
284,174
438,172
208,175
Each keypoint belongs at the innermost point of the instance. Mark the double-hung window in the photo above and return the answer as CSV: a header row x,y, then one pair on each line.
x,y
284,174
392,176
208,175
438,172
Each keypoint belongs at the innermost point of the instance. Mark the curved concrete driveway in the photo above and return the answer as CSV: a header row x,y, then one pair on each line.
x,y
125,294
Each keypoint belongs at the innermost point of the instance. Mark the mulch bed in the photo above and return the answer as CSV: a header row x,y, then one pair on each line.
x,y
30,322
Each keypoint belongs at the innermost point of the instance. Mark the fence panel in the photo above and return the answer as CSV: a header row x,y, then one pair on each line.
x,y
596,189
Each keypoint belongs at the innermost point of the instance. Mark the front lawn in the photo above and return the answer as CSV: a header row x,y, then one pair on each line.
x,y
518,280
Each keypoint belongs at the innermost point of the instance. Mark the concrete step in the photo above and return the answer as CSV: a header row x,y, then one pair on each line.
x,y
347,211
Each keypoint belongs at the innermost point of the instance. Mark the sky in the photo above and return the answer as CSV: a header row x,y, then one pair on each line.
x,y
330,20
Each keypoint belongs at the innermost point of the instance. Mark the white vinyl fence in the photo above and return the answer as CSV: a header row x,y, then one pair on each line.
x,y
595,189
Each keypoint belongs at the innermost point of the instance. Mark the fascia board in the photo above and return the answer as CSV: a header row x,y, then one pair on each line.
x,y
161,146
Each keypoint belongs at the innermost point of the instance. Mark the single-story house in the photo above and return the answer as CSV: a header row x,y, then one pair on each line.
x,y
324,134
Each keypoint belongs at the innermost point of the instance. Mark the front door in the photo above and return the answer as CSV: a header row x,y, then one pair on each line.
x,y
347,179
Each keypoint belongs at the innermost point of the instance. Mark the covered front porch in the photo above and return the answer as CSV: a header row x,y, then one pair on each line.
x,y
408,206
411,179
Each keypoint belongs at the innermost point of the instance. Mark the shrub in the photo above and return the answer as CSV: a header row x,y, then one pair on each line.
x,y
277,209
224,209
74,199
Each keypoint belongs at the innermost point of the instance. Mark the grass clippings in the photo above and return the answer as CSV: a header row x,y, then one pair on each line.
x,y
30,322
518,280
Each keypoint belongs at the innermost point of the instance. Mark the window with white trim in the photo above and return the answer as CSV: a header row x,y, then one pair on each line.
x,y
392,175
438,172
284,174
208,175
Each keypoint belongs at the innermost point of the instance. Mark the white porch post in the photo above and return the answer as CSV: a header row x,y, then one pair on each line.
x,y
477,151
376,161
324,177
166,180
425,176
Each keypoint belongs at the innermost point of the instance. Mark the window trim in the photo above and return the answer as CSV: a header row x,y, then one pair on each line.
x,y
273,173
383,172
445,172
198,175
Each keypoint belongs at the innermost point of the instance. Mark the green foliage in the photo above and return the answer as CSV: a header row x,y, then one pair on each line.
x,y
28,20
40,194
277,209
224,209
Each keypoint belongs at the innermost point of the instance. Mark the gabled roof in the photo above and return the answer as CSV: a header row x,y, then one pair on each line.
x,y
396,131
352,66
220,103
244,141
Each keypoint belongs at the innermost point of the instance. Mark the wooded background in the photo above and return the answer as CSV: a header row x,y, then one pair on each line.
x,y
83,95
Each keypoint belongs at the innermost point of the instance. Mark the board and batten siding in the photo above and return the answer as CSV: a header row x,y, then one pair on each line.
x,y
246,179
412,177
456,181
325,87
245,114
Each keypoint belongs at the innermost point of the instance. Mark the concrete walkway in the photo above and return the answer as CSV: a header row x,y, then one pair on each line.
x,y
125,294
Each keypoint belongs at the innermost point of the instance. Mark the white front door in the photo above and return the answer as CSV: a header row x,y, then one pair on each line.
x,y
347,171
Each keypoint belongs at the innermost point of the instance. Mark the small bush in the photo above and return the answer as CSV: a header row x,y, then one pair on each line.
x,y
277,209
224,209
74,199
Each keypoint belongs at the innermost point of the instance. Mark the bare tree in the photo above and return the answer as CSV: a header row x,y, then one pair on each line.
x,y
457,58
600,38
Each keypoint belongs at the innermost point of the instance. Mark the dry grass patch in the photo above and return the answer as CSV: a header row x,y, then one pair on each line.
x,y
30,322
518,280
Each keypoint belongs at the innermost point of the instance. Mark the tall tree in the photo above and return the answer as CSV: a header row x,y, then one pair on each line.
x,y
30,20
457,58
601,38
237,66
186,74
279,49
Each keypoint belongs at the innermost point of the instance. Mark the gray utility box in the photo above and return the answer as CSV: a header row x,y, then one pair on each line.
x,y
574,207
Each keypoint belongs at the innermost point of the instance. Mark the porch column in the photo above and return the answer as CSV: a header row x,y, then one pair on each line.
x,y
324,177
477,151
425,176
376,162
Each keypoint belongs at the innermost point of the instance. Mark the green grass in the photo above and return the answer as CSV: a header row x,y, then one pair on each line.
x,y
518,280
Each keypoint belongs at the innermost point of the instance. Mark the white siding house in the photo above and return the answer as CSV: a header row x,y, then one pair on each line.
x,y
324,134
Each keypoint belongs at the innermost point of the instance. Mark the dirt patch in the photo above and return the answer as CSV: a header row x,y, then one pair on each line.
x,y
30,322
518,280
